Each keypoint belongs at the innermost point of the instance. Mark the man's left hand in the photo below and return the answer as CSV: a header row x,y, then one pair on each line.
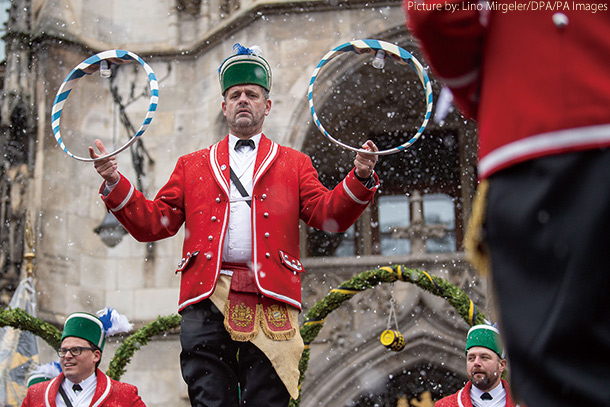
x,y
365,163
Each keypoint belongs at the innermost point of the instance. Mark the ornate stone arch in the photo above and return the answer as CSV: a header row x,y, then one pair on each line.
x,y
363,371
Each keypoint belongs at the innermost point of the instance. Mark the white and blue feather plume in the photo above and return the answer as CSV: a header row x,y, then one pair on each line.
x,y
239,49
50,370
114,322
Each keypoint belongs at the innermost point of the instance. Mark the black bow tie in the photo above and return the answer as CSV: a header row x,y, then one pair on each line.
x,y
244,143
486,396
76,388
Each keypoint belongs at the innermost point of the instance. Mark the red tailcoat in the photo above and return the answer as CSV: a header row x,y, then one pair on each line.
x,y
536,79
462,397
108,393
285,189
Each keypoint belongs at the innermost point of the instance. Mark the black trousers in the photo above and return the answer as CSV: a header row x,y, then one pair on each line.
x,y
223,372
548,228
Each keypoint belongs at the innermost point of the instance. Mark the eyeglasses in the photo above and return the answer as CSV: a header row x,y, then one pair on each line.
x,y
75,351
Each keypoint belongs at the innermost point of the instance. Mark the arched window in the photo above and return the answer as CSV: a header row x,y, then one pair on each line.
x,y
418,209
425,192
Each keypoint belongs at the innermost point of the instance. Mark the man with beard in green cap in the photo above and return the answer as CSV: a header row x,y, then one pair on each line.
x,y
484,366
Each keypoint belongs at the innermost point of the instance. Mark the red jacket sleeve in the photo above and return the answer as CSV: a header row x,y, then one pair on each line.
x,y
149,220
452,36
335,210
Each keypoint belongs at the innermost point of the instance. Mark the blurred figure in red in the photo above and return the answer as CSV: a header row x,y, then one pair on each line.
x,y
536,78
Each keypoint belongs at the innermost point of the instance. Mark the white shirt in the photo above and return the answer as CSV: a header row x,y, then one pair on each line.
x,y
237,247
83,397
498,395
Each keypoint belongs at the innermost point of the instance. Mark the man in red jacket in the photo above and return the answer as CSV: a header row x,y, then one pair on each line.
x,y
536,77
240,201
81,383
484,366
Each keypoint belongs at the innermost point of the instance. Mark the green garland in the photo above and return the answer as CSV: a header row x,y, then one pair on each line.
x,y
135,341
312,325
19,319
314,318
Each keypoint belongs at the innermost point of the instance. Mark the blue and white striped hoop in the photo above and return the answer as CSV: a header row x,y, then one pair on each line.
x,y
92,65
400,56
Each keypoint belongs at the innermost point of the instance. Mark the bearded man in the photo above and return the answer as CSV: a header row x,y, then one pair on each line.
x,y
240,201
485,364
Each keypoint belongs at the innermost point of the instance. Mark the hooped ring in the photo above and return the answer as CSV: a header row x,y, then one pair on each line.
x,y
399,55
92,65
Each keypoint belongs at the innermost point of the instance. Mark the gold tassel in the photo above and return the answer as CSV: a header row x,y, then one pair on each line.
x,y
276,336
241,336
476,249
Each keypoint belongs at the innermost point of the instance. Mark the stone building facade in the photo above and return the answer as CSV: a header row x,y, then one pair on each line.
x,y
417,219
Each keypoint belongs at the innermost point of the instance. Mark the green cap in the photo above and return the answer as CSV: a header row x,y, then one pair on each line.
x,y
37,378
246,66
486,336
85,326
